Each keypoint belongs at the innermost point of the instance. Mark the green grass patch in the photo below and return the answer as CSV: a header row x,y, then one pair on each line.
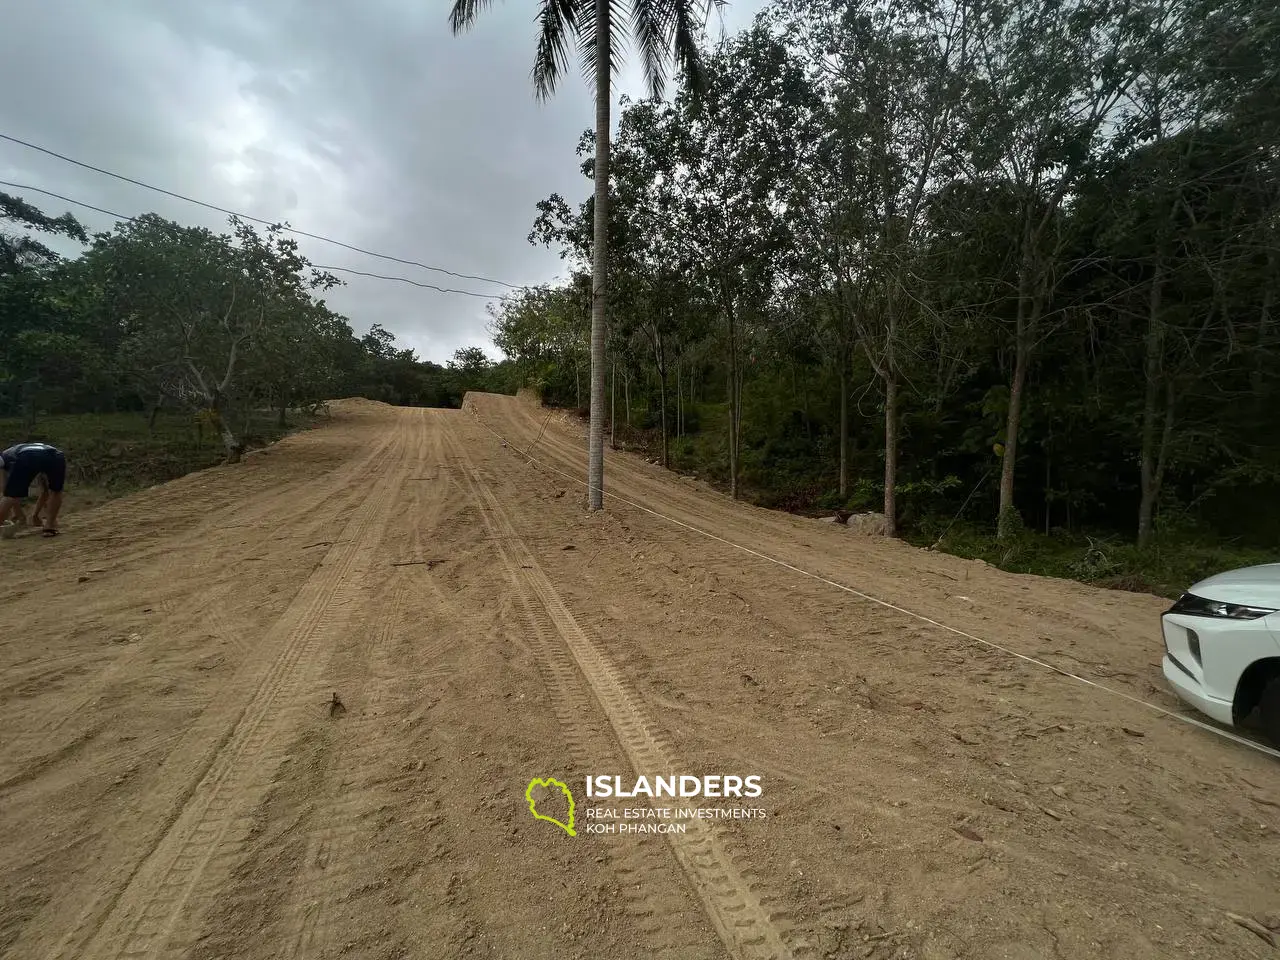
x,y
112,454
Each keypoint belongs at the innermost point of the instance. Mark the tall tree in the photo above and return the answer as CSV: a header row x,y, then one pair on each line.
x,y
20,251
665,31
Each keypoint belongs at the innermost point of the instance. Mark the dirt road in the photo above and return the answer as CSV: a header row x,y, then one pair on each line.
x,y
289,709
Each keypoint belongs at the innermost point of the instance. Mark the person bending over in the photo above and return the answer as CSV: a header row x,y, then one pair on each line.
x,y
23,463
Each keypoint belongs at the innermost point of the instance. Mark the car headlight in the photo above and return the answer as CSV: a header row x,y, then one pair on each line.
x,y
1193,606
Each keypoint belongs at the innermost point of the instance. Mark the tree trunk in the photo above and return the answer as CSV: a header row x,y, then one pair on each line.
x,y
284,411
155,412
662,404
1048,490
613,410
233,446
1262,362
599,288
1150,481
891,452
221,418
1032,291
844,431
733,405
1007,519
679,401
626,391
660,364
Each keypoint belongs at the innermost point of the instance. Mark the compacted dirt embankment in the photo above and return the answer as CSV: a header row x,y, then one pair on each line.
x,y
289,708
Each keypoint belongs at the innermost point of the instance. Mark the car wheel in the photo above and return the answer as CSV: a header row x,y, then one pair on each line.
x,y
1269,710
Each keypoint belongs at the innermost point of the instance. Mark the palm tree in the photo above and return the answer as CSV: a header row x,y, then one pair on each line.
x,y
665,31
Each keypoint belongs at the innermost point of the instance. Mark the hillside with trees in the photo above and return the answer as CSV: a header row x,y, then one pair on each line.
x,y
224,334
988,267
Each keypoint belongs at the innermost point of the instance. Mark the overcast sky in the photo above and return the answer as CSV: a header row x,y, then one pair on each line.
x,y
361,120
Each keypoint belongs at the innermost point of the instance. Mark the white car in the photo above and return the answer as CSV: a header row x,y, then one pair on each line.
x,y
1222,646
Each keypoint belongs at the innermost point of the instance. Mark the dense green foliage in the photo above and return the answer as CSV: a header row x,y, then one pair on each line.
x,y
1011,260
154,316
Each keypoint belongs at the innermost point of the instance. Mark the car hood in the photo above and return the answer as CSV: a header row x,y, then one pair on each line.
x,y
1252,586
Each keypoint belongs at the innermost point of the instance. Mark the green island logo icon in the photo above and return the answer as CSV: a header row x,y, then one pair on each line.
x,y
533,804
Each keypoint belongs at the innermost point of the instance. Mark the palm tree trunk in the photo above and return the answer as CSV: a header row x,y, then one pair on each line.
x,y
599,287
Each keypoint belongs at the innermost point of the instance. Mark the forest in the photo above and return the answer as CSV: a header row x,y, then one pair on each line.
x,y
999,270
1003,271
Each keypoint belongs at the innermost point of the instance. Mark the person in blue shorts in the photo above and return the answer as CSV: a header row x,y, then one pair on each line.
x,y
27,462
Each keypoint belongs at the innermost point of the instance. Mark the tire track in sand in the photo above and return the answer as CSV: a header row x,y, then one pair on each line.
x,y
301,501
27,754
731,896
142,917
329,857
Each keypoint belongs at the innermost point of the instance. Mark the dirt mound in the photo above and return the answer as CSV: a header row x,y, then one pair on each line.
x,y
357,403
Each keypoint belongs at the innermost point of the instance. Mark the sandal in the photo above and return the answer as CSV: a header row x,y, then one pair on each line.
x,y
48,532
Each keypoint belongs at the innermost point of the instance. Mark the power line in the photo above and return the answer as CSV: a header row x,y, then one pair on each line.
x,y
245,216
359,273
78,203
415,283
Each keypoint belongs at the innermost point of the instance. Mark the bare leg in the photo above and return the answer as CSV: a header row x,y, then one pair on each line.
x,y
10,507
41,502
55,504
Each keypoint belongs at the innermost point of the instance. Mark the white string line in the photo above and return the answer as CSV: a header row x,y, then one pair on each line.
x,y
910,613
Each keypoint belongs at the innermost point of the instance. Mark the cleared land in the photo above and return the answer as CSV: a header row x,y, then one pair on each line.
x,y
176,780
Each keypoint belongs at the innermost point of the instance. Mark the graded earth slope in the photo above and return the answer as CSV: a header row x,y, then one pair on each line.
x,y
290,707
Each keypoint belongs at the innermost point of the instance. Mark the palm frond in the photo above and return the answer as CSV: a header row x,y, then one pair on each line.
x,y
558,20
685,49
463,15
651,25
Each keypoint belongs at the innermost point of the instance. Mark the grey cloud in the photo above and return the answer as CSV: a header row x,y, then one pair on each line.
x,y
364,120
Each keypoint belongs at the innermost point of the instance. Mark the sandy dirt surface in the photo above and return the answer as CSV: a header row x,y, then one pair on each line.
x,y
289,709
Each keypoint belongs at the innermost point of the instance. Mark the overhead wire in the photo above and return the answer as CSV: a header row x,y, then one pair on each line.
x,y
334,269
244,216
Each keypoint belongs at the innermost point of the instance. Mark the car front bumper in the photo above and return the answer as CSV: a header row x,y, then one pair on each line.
x,y
1190,691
